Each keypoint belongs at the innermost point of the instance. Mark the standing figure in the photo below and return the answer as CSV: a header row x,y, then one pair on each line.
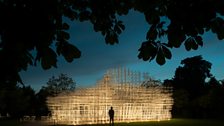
x,y
111,114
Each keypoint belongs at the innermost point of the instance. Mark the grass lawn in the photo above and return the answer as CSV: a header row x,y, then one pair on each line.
x,y
10,123
173,122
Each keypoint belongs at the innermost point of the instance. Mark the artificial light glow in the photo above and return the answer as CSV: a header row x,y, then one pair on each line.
x,y
121,89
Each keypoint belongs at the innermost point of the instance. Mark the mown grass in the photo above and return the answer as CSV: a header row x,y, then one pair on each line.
x,y
10,123
173,122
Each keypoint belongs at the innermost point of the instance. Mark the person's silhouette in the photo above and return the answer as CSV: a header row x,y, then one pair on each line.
x,y
111,114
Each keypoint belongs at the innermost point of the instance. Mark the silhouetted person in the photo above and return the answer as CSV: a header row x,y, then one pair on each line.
x,y
111,114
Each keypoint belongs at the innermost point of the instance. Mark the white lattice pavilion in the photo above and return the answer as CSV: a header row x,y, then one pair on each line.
x,y
121,89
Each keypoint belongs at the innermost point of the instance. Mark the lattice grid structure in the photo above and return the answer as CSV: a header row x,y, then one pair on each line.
x,y
120,88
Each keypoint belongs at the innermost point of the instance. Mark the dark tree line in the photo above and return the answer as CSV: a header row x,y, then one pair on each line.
x,y
17,102
28,25
23,101
194,97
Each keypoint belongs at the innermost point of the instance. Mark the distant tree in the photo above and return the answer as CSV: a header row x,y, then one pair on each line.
x,y
190,88
181,103
55,85
29,93
37,25
214,99
168,83
60,84
192,74
41,107
151,83
17,102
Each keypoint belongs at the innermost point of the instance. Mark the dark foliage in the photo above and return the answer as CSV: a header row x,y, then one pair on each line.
x,y
193,96
62,83
38,25
192,74
17,102
54,86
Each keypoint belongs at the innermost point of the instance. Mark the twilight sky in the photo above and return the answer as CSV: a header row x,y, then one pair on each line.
x,y
97,56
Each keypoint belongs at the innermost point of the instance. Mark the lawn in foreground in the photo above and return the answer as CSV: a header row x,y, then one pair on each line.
x,y
173,122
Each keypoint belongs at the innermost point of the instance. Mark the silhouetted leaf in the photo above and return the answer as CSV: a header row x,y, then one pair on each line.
x,y
117,29
201,31
97,28
152,33
65,26
152,18
220,34
160,59
84,15
187,46
62,35
70,52
147,51
27,60
194,45
190,44
121,26
111,38
175,36
199,40
166,52
68,12
160,25
48,59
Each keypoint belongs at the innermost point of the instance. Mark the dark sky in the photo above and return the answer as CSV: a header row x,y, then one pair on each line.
x,y
97,56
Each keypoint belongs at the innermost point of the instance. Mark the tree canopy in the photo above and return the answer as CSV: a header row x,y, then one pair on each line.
x,y
195,97
192,74
38,25
56,85
17,102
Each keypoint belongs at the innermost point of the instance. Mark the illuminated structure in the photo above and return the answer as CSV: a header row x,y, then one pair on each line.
x,y
120,88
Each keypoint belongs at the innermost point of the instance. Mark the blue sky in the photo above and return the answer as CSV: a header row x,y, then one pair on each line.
x,y
97,56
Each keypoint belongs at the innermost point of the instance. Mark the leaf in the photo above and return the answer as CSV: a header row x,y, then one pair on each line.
x,y
199,40
194,45
152,17
188,44
111,38
96,27
201,31
166,52
175,35
147,51
62,35
65,26
160,59
160,25
48,59
70,52
84,15
120,24
117,29
152,33
220,35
